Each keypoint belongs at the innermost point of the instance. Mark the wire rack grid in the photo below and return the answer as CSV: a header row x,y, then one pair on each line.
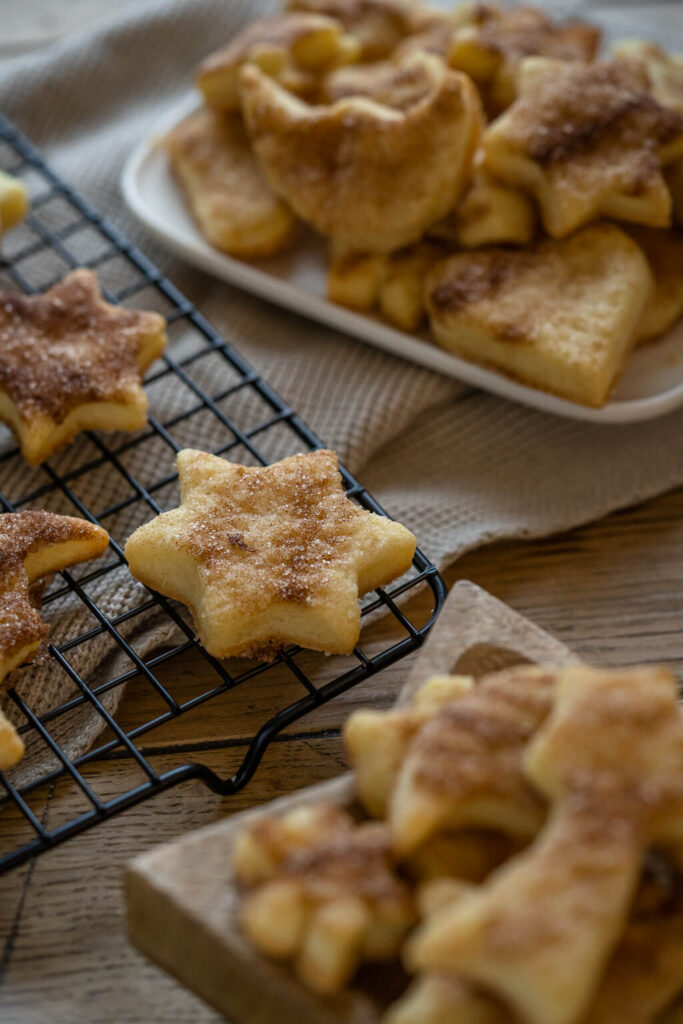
x,y
48,245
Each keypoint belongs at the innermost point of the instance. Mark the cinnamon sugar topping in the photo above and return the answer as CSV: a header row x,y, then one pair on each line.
x,y
68,347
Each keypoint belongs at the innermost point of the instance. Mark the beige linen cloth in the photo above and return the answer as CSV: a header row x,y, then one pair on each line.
x,y
459,467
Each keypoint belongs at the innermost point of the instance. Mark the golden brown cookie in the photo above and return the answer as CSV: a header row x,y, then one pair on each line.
x,y
331,903
659,72
540,932
355,279
491,46
443,999
13,201
225,187
370,177
463,768
268,557
664,251
561,316
378,25
295,49
586,141
393,283
33,545
488,214
69,361
377,741
11,744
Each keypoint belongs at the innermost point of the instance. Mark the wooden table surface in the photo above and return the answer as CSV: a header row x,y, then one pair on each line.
x,y
611,591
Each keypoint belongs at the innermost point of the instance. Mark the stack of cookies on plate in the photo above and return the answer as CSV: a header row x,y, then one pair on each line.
x,y
516,846
477,169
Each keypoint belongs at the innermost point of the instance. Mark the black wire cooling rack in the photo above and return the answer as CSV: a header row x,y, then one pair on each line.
x,y
35,257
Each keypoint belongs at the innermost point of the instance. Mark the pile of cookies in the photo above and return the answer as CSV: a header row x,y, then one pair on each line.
x,y
517,846
478,169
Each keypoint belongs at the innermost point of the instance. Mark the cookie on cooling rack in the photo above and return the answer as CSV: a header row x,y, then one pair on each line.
x,y
366,175
560,315
492,44
295,49
13,201
69,361
266,557
225,187
34,544
587,141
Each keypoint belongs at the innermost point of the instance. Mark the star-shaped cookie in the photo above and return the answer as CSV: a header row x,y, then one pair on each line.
x,y
331,901
586,140
266,557
69,361
33,545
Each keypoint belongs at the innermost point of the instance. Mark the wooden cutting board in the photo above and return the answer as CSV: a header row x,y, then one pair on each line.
x,y
182,899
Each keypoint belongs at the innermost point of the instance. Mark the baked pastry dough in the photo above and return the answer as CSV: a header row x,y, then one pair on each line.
x,y
393,283
488,214
586,140
442,999
661,73
331,903
69,361
463,769
378,25
33,545
494,42
294,48
370,177
540,933
561,315
13,201
11,744
355,279
267,557
376,741
225,188
664,251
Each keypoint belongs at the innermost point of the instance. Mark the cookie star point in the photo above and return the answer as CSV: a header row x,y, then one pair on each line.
x,y
69,361
268,556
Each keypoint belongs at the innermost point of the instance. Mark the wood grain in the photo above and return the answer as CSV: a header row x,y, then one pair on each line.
x,y
611,591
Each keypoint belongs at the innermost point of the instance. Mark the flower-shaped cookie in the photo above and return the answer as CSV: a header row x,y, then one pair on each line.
x,y
367,175
587,141
296,49
268,557
69,361
330,903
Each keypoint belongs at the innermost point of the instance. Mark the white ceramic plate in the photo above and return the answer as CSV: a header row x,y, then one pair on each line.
x,y
651,385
